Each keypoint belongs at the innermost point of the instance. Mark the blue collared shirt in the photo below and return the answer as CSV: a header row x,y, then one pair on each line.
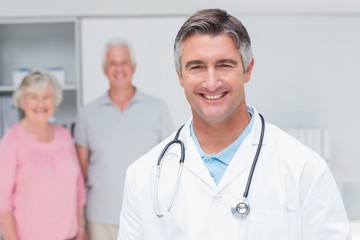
x,y
217,163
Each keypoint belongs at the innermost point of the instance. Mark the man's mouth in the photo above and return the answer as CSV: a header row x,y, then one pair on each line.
x,y
214,97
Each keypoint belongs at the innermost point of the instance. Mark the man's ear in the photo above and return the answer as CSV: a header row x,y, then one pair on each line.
x,y
249,70
180,78
134,67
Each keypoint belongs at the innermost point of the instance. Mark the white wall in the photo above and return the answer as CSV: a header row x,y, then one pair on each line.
x,y
44,8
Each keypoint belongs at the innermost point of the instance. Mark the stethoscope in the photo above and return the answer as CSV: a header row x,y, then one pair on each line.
x,y
240,208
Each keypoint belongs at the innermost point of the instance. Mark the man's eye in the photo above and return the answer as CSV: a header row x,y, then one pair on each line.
x,y
195,67
225,66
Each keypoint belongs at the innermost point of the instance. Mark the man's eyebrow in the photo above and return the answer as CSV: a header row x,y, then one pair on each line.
x,y
193,62
231,61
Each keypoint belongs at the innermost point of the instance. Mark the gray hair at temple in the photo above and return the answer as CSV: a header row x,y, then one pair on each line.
x,y
36,81
118,42
214,22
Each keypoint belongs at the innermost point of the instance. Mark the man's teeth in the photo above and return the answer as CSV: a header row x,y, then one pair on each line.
x,y
214,97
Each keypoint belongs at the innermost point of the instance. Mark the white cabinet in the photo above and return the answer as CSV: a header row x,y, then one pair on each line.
x,y
40,44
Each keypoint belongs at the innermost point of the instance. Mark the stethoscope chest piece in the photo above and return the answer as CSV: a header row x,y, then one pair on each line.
x,y
241,208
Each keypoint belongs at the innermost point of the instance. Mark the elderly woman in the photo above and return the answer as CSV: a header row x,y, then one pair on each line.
x,y
42,193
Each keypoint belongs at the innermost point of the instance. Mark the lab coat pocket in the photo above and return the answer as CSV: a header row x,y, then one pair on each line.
x,y
268,225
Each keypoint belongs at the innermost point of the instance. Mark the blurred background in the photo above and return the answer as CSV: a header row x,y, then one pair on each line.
x,y
306,77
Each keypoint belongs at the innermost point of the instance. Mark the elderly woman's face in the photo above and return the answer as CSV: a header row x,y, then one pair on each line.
x,y
39,105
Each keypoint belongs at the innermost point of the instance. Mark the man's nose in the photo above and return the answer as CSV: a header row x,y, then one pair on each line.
x,y
212,80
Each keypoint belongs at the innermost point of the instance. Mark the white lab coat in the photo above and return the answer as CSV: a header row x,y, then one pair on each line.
x,y
292,195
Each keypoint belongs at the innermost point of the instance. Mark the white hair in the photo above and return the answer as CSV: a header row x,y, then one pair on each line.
x,y
34,81
118,42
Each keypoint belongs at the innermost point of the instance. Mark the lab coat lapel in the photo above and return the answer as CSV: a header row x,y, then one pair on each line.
x,y
244,157
193,161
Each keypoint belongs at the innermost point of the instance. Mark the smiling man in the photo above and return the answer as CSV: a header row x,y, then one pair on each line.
x,y
111,133
227,174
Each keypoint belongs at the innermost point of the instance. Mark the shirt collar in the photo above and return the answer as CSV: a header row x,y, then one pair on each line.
x,y
226,154
106,101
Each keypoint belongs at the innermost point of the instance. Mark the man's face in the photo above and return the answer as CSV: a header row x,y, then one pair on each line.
x,y
119,67
213,77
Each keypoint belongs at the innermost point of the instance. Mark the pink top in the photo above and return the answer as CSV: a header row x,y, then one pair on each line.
x,y
41,184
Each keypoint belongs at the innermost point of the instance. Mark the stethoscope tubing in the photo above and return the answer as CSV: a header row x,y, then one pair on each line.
x,y
241,208
246,192
158,171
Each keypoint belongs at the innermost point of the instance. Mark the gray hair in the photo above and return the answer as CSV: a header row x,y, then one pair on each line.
x,y
34,81
214,22
117,42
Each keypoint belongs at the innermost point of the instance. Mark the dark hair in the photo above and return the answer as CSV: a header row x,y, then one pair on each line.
x,y
214,22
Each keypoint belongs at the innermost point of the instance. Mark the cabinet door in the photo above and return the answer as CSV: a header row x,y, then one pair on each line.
x,y
39,44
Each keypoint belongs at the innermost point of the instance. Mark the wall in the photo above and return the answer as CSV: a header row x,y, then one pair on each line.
x,y
306,52
44,8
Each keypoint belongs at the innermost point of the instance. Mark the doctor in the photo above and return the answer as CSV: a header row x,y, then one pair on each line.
x,y
291,193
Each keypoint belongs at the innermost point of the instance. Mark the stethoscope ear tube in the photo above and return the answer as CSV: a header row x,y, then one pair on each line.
x,y
158,171
174,141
